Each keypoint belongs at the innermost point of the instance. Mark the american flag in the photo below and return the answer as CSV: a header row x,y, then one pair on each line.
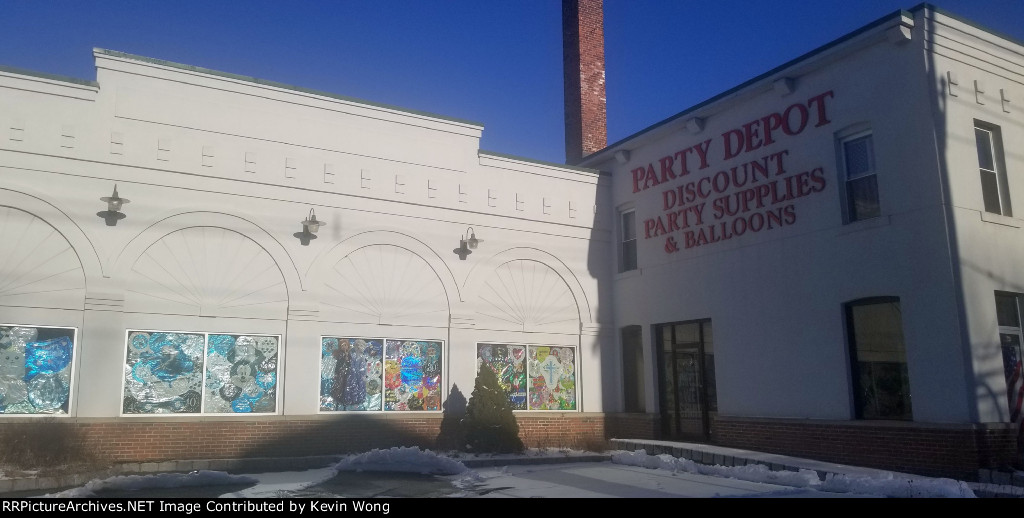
x,y
1014,371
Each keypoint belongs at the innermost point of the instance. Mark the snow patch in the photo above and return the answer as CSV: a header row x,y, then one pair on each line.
x,y
408,460
158,481
886,484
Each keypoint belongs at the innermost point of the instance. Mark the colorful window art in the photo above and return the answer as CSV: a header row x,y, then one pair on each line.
x,y
191,373
534,377
351,374
509,363
380,374
35,369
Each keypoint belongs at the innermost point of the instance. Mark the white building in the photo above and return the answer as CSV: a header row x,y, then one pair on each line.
x,y
206,291
821,261
825,260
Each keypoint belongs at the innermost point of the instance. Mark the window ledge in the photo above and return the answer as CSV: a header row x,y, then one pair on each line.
x,y
628,274
999,219
865,224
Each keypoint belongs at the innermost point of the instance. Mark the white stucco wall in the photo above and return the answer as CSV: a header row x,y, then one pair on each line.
x,y
776,297
220,170
980,77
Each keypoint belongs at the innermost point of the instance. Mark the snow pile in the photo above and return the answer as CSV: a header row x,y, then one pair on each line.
x,y
555,452
158,481
409,460
751,473
471,480
886,484
899,487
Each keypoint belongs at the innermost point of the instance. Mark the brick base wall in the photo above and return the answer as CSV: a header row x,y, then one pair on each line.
x,y
152,439
955,451
632,426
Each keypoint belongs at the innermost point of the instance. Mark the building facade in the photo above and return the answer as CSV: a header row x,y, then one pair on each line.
x,y
824,261
200,264
820,262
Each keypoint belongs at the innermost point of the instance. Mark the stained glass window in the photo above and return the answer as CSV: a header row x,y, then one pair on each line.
x,y
412,375
534,377
552,373
241,374
509,364
191,373
351,374
380,374
35,369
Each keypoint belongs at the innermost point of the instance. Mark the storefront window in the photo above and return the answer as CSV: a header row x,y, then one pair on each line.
x,y
633,390
192,373
35,369
534,377
1008,318
375,374
878,359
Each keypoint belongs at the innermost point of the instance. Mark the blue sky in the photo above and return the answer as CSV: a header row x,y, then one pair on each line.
x,y
498,63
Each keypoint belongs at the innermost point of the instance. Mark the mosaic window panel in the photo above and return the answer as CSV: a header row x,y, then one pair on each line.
x,y
412,375
192,373
552,372
241,374
351,374
163,373
509,364
35,369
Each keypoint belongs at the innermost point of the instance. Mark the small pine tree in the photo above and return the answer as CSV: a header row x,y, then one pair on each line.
x,y
489,423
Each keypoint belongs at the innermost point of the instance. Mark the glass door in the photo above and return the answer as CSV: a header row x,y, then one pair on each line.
x,y
686,384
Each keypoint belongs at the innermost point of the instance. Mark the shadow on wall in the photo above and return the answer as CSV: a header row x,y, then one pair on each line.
x,y
38,444
452,435
35,443
602,264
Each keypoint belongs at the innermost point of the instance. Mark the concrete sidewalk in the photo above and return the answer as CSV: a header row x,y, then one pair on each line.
x,y
721,456
700,453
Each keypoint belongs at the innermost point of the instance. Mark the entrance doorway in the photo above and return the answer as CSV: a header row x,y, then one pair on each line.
x,y
686,379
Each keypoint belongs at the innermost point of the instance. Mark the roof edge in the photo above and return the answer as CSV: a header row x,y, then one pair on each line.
x,y
966,21
896,15
274,84
557,165
46,75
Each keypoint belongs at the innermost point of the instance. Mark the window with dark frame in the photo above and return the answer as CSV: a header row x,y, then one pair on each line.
x,y
1010,339
861,182
995,190
633,392
878,359
627,246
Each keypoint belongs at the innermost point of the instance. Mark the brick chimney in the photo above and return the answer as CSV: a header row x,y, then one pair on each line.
x,y
583,71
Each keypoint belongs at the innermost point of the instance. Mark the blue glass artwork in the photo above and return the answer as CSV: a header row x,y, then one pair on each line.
x,y
412,375
193,372
241,374
48,357
163,373
35,369
350,374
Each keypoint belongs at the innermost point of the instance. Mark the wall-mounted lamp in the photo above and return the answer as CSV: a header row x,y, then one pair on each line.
x,y
113,213
467,245
309,228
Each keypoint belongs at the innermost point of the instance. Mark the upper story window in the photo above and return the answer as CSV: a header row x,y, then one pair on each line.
x,y
860,186
627,244
878,359
991,166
